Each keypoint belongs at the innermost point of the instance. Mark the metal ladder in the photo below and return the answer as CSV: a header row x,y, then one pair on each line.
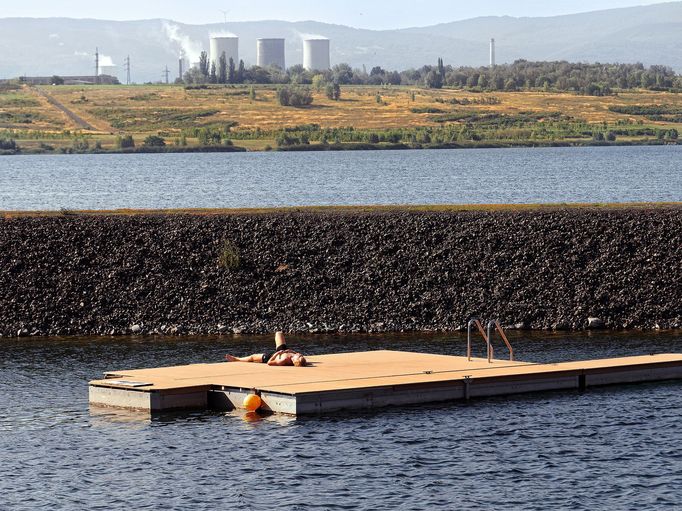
x,y
493,326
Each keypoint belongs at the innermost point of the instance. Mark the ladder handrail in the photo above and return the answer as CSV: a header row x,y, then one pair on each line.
x,y
476,322
496,324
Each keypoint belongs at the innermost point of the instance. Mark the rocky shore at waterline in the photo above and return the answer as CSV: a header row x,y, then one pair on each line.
x,y
341,271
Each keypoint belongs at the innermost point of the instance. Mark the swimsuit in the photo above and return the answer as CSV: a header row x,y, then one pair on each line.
x,y
268,356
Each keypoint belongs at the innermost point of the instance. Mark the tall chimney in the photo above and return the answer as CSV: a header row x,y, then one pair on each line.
x,y
492,53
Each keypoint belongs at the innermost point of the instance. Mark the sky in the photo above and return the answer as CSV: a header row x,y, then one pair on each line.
x,y
372,14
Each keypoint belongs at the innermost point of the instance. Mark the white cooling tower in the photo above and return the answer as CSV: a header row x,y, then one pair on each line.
x,y
316,54
270,53
228,45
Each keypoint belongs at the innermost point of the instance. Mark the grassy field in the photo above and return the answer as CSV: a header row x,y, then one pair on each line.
x,y
173,111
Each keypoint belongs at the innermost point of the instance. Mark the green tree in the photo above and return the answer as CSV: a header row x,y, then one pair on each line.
x,y
231,73
333,91
213,78
241,72
433,80
222,68
203,64
343,74
57,80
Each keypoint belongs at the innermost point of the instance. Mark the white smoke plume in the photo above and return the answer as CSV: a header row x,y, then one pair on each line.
x,y
311,37
105,60
188,48
222,34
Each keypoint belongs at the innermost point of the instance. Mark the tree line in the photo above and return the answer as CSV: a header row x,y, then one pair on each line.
x,y
592,79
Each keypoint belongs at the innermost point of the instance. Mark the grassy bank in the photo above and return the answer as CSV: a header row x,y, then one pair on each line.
x,y
332,210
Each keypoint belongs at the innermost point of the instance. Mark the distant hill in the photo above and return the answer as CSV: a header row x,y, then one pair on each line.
x,y
650,34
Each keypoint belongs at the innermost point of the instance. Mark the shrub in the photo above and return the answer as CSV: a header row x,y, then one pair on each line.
x,y
154,141
80,145
125,142
294,96
7,144
229,256
209,136
333,91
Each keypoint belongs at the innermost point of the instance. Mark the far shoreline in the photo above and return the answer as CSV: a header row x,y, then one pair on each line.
x,y
350,146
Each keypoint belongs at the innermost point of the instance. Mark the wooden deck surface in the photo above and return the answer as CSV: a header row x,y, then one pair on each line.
x,y
358,371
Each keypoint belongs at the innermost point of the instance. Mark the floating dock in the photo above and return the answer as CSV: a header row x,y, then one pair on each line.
x,y
366,380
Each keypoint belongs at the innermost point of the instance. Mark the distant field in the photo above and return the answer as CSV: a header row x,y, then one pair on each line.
x,y
170,111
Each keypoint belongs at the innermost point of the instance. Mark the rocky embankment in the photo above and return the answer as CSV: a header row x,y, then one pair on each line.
x,y
340,271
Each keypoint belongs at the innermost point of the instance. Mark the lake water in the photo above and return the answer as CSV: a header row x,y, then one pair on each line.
x,y
590,174
607,448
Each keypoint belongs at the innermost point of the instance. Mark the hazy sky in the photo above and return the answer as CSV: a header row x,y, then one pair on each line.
x,y
377,14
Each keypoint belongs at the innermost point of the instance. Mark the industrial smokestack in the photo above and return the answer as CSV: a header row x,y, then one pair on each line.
x,y
492,53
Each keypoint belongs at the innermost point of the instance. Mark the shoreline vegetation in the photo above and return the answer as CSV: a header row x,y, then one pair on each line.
x,y
372,269
525,104
333,210
348,146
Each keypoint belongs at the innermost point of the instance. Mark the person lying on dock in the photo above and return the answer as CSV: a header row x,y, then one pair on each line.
x,y
282,356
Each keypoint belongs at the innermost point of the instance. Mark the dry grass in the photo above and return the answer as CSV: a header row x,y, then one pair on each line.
x,y
358,107
8,215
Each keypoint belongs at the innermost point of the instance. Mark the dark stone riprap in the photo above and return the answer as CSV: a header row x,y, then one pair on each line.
x,y
341,271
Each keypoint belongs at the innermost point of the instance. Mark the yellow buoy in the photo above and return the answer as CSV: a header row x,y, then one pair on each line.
x,y
252,402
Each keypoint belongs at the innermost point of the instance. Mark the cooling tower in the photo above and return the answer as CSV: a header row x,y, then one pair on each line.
x,y
229,45
316,54
271,53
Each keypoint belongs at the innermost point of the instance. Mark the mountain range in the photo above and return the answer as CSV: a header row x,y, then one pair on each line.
x,y
62,46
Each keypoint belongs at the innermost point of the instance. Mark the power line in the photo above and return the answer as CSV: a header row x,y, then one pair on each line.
x,y
166,73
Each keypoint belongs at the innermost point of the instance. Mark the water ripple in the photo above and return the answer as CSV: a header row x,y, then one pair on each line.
x,y
608,448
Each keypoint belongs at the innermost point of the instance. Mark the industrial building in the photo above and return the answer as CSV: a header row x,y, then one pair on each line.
x,y
71,80
316,54
271,53
229,45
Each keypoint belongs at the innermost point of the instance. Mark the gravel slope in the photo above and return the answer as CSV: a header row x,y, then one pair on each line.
x,y
341,271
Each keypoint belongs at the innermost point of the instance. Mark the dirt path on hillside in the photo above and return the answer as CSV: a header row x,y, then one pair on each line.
x,y
76,119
